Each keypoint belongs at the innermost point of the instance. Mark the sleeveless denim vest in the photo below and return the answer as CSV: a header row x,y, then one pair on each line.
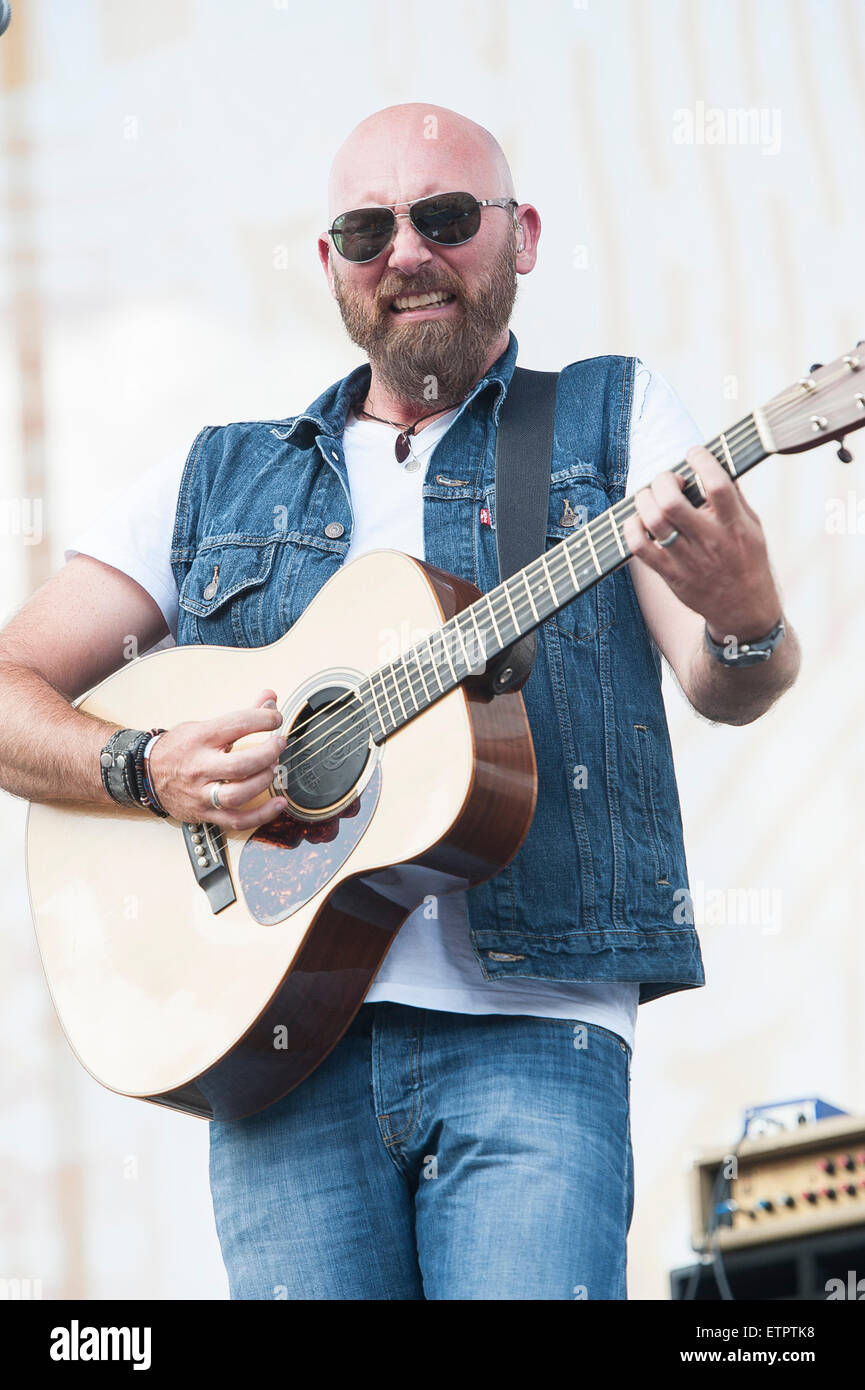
x,y
599,890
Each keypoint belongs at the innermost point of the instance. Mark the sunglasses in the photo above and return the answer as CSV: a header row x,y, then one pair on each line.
x,y
446,219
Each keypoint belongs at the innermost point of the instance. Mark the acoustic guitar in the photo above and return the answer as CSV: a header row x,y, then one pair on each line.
x,y
212,971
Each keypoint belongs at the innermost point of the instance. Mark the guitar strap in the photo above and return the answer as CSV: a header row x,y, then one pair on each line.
x,y
524,453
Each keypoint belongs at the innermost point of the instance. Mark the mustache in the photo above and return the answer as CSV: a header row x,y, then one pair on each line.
x,y
390,289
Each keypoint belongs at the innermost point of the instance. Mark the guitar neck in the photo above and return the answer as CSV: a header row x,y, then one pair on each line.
x,y
464,645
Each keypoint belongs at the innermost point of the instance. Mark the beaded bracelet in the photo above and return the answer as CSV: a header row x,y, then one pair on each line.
x,y
146,795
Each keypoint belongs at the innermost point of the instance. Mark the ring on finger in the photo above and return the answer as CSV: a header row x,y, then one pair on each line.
x,y
668,540
214,795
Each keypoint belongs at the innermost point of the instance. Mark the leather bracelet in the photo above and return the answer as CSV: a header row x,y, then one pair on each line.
x,y
118,767
746,653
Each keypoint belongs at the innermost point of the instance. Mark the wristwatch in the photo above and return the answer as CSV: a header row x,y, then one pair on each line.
x,y
733,653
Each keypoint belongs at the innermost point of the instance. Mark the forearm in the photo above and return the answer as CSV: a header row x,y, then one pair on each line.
x,y
734,695
48,750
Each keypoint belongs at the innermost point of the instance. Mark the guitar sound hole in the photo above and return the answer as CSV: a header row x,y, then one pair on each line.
x,y
327,751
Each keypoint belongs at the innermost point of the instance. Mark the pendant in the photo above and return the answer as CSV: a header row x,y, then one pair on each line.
x,y
412,466
402,448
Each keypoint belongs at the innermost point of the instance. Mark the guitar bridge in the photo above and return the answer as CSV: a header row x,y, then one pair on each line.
x,y
206,849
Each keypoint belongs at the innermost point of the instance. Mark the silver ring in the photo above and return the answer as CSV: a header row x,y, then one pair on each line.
x,y
214,797
668,541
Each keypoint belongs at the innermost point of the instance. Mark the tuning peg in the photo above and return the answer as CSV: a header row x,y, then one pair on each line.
x,y
844,454
815,366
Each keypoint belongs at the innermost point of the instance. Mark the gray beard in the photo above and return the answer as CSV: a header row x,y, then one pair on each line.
x,y
433,360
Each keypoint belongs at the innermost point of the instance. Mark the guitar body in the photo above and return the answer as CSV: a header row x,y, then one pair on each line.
x,y
171,996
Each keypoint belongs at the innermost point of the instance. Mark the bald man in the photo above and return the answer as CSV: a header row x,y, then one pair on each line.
x,y
469,1137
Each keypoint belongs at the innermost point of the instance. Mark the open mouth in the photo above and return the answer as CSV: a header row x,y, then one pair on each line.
x,y
433,299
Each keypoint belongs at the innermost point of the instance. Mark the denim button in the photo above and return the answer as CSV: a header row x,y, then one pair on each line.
x,y
334,529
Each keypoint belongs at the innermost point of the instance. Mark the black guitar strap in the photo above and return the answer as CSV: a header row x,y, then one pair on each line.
x,y
524,453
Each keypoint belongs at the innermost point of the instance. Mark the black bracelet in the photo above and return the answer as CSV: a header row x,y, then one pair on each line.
x,y
118,769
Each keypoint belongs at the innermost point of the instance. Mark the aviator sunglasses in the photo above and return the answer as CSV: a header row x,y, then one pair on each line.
x,y
446,219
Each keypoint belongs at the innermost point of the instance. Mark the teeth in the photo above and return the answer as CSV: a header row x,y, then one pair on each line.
x,y
421,301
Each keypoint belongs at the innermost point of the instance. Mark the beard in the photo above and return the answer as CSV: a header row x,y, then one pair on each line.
x,y
426,360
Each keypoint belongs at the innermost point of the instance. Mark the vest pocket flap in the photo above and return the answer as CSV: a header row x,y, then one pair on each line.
x,y
575,498
221,572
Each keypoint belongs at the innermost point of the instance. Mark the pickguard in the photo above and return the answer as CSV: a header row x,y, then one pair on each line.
x,y
287,861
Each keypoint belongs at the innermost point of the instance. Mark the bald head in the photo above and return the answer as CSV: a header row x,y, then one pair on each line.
x,y
408,151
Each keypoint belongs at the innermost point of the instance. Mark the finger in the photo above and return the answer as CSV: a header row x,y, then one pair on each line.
x,y
653,518
677,512
242,762
721,497
233,795
642,547
230,727
248,820
267,699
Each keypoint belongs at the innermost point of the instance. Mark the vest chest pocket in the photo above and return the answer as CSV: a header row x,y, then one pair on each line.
x,y
224,599
575,501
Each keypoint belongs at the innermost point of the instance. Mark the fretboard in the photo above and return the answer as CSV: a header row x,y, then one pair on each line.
x,y
464,645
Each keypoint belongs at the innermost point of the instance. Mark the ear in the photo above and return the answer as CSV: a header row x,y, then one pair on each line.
x,y
528,235
325,258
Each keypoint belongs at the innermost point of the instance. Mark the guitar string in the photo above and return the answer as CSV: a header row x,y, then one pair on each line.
x,y
358,737
553,564
731,436
608,547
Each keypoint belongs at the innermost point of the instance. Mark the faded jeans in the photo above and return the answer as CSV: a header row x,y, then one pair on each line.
x,y
435,1156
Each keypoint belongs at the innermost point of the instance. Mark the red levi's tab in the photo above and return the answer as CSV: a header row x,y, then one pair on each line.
x,y
486,520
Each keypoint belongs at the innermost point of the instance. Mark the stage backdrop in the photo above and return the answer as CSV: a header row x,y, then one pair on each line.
x,y
699,171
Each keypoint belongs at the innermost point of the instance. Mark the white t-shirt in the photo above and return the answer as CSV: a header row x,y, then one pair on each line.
x,y
431,963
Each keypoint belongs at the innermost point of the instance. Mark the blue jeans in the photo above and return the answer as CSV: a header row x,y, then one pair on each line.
x,y
435,1156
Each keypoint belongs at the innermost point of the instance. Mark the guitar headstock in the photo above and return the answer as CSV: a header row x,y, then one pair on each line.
x,y
826,404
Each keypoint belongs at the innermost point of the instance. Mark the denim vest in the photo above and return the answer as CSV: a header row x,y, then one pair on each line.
x,y
598,891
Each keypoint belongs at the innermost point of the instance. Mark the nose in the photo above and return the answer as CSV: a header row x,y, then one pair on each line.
x,y
408,250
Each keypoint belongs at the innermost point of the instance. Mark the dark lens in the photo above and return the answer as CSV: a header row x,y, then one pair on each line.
x,y
448,219
362,235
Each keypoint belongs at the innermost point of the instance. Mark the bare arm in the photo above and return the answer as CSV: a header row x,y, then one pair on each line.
x,y
70,635
716,573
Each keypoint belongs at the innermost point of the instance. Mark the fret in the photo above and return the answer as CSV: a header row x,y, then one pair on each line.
x,y
445,645
459,633
435,669
418,665
383,674
397,689
566,550
383,695
410,666
586,570
402,669
530,595
588,535
482,646
616,534
365,690
493,621
375,702
549,578
507,593
727,455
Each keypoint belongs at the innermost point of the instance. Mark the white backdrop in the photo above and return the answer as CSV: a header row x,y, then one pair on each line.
x,y
164,168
